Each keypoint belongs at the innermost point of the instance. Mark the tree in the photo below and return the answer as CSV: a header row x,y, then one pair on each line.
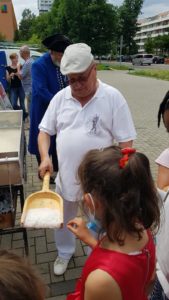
x,y
42,26
34,39
161,44
128,14
26,24
93,22
149,45
16,36
165,42
46,23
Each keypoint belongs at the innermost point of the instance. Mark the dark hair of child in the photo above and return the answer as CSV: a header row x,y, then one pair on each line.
x,y
128,194
18,279
163,107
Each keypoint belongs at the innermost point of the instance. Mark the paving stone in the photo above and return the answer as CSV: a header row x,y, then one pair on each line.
x,y
73,273
43,268
18,244
19,251
51,247
85,249
46,257
71,263
79,249
80,261
36,232
46,278
17,236
50,235
31,242
62,288
41,244
6,241
32,255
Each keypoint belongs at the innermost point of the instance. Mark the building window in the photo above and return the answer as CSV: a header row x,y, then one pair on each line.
x,y
4,8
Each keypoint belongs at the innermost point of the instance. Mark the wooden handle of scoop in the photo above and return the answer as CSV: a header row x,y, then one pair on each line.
x,y
46,179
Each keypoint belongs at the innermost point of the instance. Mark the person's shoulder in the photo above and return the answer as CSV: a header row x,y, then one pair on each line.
x,y
107,88
165,153
61,97
43,61
111,94
100,285
163,158
45,58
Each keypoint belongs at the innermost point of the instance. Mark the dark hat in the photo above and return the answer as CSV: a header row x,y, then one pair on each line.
x,y
57,42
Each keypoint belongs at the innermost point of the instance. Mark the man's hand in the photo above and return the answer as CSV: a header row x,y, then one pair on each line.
x,y
78,227
46,165
44,144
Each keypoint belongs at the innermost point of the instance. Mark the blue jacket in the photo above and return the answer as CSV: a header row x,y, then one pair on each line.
x,y
46,82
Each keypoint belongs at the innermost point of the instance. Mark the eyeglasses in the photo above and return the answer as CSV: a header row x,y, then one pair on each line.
x,y
81,78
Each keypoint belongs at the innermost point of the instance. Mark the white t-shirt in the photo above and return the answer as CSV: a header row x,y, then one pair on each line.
x,y
163,248
163,234
163,158
105,118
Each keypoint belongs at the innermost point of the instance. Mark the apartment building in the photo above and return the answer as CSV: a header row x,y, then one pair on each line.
x,y
44,5
8,24
152,27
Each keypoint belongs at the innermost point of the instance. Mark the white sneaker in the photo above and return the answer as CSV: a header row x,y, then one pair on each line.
x,y
60,265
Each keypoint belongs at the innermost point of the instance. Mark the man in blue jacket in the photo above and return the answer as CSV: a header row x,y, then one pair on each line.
x,y
47,80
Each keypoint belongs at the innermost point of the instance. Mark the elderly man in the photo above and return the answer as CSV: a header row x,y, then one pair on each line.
x,y
25,73
86,115
46,82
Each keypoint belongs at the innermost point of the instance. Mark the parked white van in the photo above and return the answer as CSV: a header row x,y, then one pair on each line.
x,y
142,59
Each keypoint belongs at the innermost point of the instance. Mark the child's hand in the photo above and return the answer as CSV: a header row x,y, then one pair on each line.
x,y
78,227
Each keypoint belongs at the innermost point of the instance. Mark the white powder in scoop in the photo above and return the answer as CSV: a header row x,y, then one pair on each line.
x,y
42,218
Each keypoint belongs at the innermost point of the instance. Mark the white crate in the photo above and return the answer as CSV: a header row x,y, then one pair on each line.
x,y
11,147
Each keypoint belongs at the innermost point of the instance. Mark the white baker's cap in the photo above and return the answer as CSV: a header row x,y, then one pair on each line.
x,y
76,59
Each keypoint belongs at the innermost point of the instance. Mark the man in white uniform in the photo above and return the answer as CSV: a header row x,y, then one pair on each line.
x,y
87,114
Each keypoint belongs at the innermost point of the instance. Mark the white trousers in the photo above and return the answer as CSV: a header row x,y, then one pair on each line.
x,y
64,239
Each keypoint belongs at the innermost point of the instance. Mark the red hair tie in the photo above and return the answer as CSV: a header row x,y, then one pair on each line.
x,y
126,153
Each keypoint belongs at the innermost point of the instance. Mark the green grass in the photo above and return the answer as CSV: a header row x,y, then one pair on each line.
x,y
102,67
158,74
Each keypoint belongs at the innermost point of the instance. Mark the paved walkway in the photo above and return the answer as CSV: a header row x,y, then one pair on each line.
x,y
143,96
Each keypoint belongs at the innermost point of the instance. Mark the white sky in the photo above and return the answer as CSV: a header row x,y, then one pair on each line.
x,y
150,7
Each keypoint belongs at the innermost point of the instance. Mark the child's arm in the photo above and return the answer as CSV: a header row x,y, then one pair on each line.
x,y
163,177
101,286
78,227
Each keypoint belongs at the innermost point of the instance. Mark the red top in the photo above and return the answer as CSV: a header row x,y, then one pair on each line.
x,y
132,272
